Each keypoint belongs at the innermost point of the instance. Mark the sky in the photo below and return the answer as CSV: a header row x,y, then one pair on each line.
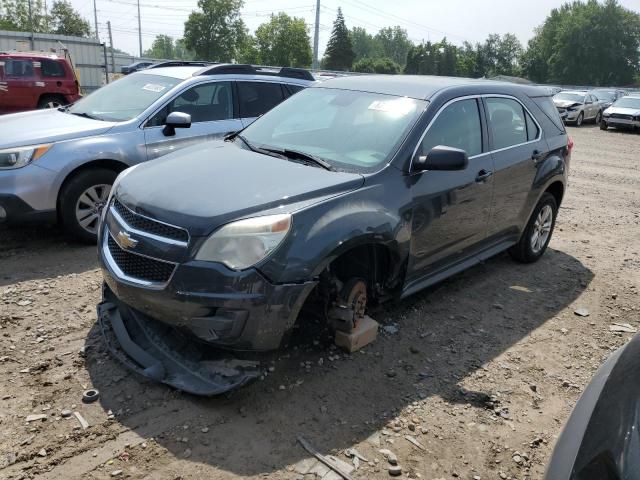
x,y
458,20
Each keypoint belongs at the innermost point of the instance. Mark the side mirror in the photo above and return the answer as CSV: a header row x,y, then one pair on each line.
x,y
442,158
176,120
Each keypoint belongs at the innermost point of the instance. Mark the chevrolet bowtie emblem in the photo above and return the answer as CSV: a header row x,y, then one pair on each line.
x,y
125,240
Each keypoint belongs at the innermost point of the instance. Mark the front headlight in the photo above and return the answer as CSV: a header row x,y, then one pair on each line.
x,y
18,157
244,243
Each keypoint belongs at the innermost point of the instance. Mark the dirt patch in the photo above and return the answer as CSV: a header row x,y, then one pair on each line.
x,y
482,370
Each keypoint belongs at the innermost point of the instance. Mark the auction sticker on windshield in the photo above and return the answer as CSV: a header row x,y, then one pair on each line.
x,y
154,87
399,106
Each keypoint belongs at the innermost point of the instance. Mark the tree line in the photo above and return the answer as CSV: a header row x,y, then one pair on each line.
x,y
583,42
61,19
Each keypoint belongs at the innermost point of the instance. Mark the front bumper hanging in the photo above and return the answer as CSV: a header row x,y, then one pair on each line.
x,y
162,353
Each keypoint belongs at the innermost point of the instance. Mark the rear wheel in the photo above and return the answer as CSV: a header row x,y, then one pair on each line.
x,y
82,200
603,125
51,101
537,234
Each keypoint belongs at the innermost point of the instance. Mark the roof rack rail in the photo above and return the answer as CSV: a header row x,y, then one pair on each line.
x,y
246,69
180,63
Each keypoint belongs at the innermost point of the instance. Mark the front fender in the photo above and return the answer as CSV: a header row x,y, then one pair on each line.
x,y
127,148
331,228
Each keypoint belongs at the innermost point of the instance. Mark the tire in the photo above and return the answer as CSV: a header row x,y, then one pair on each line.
x,y
603,125
580,119
528,249
598,118
51,101
81,201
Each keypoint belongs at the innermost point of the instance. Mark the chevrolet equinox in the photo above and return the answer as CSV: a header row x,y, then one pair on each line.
x,y
352,192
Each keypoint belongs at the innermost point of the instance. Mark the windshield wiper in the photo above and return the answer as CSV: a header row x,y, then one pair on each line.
x,y
305,157
85,115
253,148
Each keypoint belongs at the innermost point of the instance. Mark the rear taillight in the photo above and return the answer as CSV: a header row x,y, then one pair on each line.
x,y
570,144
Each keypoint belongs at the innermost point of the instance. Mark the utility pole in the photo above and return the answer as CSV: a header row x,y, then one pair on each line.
x,y
31,46
113,61
316,37
139,29
95,18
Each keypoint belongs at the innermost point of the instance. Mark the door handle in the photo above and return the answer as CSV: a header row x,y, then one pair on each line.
x,y
483,175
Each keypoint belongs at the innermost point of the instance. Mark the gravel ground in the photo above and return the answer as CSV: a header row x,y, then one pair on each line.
x,y
482,371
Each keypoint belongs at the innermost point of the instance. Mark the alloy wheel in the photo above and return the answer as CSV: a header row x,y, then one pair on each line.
x,y
89,207
542,229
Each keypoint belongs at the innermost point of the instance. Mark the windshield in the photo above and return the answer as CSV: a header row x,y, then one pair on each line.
x,y
572,97
124,99
605,95
351,130
628,102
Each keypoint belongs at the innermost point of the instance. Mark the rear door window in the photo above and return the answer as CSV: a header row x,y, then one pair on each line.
x,y
51,68
507,122
457,126
256,98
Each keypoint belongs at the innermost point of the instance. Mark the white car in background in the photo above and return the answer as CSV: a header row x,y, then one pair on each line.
x,y
624,113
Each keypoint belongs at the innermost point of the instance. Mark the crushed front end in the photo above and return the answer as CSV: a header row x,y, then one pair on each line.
x,y
163,311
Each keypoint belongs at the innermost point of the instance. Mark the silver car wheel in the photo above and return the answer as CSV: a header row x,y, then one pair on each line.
x,y
90,205
541,229
53,104
579,119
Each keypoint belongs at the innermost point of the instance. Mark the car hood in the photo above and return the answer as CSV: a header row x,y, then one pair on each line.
x,y
565,103
45,126
208,185
623,111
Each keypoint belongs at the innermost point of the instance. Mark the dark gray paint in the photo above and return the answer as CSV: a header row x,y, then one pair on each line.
x,y
433,224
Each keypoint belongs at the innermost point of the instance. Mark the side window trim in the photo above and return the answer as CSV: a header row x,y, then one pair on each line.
x,y
526,111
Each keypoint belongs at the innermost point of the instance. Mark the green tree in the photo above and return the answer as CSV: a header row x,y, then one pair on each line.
x,y
587,43
215,32
162,47
439,58
283,41
394,43
499,55
339,54
364,45
14,15
65,20
377,65
182,52
248,51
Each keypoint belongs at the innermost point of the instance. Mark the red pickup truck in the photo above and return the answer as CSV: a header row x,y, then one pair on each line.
x,y
30,80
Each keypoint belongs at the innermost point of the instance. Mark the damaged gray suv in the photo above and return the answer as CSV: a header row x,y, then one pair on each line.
x,y
350,193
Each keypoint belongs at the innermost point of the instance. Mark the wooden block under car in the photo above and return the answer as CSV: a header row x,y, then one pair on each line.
x,y
365,333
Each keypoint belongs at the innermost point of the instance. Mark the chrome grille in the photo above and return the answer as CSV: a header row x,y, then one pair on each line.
x,y
138,267
147,225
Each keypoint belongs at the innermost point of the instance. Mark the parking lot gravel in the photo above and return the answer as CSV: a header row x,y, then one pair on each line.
x,y
471,379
